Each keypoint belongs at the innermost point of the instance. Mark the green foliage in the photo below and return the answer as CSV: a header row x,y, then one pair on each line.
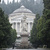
x,y
47,4
5,27
34,38
9,8
7,34
13,35
42,34
30,4
43,25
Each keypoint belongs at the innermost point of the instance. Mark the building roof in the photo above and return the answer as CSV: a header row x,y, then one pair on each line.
x,y
22,9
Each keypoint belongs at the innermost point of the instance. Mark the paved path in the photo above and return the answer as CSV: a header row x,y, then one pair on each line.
x,y
28,49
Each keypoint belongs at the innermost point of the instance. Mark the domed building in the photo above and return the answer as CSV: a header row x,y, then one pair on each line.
x,y
15,19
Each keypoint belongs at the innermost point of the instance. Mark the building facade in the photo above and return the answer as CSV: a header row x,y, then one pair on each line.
x,y
16,16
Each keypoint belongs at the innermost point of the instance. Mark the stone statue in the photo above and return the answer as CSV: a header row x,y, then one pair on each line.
x,y
24,24
24,34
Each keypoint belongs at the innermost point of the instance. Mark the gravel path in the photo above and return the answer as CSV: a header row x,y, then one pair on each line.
x,y
28,49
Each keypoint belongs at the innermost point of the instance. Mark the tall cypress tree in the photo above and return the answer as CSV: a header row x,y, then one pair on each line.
x,y
45,30
5,27
33,38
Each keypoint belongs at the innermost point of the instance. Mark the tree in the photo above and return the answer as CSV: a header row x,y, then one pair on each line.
x,y
7,34
46,28
43,25
9,8
13,36
34,31
39,28
5,27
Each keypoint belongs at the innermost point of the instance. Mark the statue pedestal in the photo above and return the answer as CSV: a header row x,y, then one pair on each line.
x,y
24,40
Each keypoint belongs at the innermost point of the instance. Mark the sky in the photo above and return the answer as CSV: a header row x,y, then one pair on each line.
x,y
11,1
35,0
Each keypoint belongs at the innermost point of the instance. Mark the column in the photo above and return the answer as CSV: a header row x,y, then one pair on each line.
x,y
20,27
16,26
13,25
29,27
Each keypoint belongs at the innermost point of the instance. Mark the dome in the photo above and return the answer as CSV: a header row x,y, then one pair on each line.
x,y
22,9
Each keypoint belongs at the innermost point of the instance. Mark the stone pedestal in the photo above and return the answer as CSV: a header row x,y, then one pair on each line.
x,y
24,40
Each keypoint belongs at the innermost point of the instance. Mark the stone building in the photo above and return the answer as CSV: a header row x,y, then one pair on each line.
x,y
15,19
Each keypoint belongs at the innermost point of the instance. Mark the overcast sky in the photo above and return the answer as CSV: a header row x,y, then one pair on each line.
x,y
11,1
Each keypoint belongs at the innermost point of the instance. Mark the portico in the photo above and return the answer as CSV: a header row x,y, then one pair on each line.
x,y
17,26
